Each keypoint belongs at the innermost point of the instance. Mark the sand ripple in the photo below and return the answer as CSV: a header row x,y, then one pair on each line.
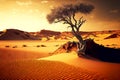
x,y
46,70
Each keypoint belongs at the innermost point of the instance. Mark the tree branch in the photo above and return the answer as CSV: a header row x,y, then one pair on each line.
x,y
75,24
81,21
74,19
80,24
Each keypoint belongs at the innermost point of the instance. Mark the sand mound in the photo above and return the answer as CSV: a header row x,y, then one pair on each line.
x,y
94,50
46,33
66,48
46,70
14,34
7,55
113,36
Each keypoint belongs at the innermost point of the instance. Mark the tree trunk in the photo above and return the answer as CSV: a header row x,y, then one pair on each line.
x,y
81,45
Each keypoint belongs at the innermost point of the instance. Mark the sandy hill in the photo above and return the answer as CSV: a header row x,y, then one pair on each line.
x,y
14,34
58,35
48,33
115,35
45,33
92,50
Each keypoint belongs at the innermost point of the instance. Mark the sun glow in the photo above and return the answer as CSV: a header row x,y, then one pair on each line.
x,y
23,22
30,23
30,15
26,15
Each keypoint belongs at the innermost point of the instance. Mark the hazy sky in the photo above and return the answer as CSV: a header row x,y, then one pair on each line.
x,y
30,15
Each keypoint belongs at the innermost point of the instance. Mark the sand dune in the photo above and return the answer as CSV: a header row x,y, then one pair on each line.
x,y
14,34
8,55
111,70
113,42
34,62
20,63
113,36
45,70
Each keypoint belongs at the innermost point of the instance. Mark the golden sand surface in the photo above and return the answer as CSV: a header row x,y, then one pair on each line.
x,y
33,62
47,70
110,70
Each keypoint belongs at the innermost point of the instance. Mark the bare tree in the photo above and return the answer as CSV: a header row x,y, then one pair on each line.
x,y
66,14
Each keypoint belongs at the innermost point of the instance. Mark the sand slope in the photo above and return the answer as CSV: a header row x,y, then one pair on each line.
x,y
14,34
45,70
111,70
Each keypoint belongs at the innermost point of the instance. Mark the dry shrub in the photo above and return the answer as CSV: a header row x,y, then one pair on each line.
x,y
24,45
43,45
7,46
38,46
14,46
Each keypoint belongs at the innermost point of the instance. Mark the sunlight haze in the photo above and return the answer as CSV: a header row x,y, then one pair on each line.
x,y
30,15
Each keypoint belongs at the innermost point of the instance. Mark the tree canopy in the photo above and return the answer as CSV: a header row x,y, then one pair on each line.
x,y
66,11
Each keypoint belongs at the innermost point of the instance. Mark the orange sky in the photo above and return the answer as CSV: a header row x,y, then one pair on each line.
x,y
30,15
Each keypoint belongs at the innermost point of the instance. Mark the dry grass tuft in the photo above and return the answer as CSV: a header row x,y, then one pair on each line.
x,y
7,46
24,45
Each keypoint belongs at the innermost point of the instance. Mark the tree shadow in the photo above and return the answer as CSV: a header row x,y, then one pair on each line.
x,y
102,53
93,51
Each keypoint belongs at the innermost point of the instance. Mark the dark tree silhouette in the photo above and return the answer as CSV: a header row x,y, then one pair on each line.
x,y
66,14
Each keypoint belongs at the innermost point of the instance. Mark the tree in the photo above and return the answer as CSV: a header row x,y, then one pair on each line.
x,y
66,14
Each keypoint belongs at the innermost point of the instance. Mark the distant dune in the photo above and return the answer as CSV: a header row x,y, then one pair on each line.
x,y
49,33
14,34
113,36
67,35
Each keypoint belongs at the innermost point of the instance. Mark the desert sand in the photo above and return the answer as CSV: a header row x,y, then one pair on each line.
x,y
28,59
